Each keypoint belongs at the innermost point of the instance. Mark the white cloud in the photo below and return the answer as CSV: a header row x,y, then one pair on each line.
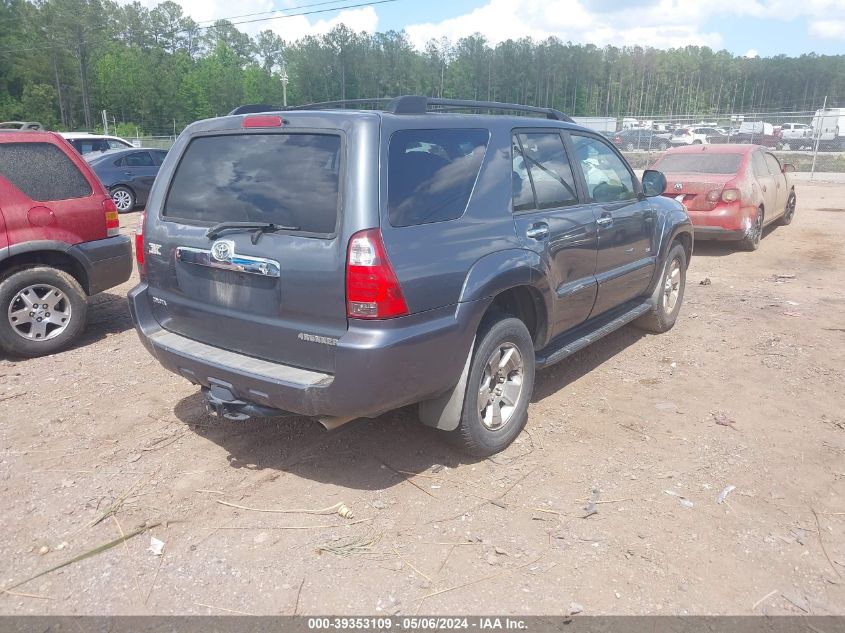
x,y
289,28
297,27
829,29
664,24
657,23
752,53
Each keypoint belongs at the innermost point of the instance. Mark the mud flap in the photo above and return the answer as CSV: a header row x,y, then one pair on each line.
x,y
444,413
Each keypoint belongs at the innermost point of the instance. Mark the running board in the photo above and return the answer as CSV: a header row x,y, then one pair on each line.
x,y
591,331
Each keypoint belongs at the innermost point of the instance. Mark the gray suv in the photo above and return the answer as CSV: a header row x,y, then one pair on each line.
x,y
340,263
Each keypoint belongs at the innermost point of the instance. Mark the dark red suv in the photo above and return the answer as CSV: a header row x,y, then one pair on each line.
x,y
59,242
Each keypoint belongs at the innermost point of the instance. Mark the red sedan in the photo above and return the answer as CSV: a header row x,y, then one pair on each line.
x,y
731,192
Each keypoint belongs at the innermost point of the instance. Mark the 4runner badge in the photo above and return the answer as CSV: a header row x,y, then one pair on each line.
x,y
679,186
223,250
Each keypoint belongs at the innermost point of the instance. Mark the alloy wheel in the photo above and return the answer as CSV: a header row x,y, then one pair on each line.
x,y
501,386
39,312
672,286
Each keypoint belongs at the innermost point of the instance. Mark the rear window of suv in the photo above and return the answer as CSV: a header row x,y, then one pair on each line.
x,y
431,174
42,172
286,179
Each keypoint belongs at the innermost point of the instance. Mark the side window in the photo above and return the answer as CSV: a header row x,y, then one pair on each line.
x,y
116,144
431,173
139,159
120,162
42,171
543,158
158,157
606,175
759,165
774,165
523,193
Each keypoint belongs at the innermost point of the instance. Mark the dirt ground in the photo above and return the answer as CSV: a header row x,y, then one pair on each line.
x,y
747,391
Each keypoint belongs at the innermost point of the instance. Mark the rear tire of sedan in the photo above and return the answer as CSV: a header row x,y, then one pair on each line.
x,y
42,309
751,242
124,199
668,295
499,387
789,212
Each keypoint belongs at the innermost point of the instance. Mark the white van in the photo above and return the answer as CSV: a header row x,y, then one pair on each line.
x,y
829,128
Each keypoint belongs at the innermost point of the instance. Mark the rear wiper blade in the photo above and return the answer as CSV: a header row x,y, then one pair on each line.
x,y
259,229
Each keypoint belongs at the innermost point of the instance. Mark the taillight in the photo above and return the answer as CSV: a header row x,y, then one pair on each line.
x,y
730,195
372,290
139,243
112,221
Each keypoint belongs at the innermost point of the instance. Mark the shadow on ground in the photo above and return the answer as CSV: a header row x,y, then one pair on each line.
x,y
716,248
367,454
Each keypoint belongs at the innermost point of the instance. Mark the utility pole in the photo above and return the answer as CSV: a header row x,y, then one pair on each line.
x,y
105,123
818,136
284,84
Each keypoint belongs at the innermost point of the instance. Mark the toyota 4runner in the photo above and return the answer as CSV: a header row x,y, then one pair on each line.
x,y
338,263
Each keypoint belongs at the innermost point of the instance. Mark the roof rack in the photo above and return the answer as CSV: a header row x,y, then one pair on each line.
x,y
411,104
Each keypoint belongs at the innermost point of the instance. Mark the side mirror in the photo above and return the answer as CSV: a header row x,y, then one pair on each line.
x,y
788,168
654,183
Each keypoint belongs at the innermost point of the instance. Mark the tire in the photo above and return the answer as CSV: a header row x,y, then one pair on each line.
x,y
789,212
62,308
696,142
666,303
629,147
123,198
751,242
786,147
664,147
480,433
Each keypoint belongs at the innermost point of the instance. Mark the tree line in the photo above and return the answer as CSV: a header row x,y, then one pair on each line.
x,y
156,70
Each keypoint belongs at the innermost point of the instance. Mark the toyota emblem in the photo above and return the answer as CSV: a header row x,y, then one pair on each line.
x,y
222,250
679,186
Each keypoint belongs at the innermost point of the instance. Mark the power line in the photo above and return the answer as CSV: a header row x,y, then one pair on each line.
x,y
211,26
296,8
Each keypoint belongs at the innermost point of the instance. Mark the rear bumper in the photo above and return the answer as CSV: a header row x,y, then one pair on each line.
x,y
379,365
728,221
718,233
107,262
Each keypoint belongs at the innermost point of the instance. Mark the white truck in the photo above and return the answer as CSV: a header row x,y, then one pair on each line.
x,y
829,128
796,136
603,124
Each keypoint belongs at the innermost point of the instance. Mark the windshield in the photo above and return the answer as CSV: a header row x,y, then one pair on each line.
x,y
700,163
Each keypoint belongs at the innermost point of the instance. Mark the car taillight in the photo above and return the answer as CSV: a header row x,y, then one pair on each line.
x,y
112,221
372,290
730,195
139,243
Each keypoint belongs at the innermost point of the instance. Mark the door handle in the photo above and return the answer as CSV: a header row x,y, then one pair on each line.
x,y
605,221
127,173
764,188
538,231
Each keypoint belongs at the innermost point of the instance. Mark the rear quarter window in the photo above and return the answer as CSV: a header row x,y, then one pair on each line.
x,y
287,179
431,174
42,172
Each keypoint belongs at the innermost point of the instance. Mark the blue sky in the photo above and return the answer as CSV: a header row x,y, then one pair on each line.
x,y
744,27
768,35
